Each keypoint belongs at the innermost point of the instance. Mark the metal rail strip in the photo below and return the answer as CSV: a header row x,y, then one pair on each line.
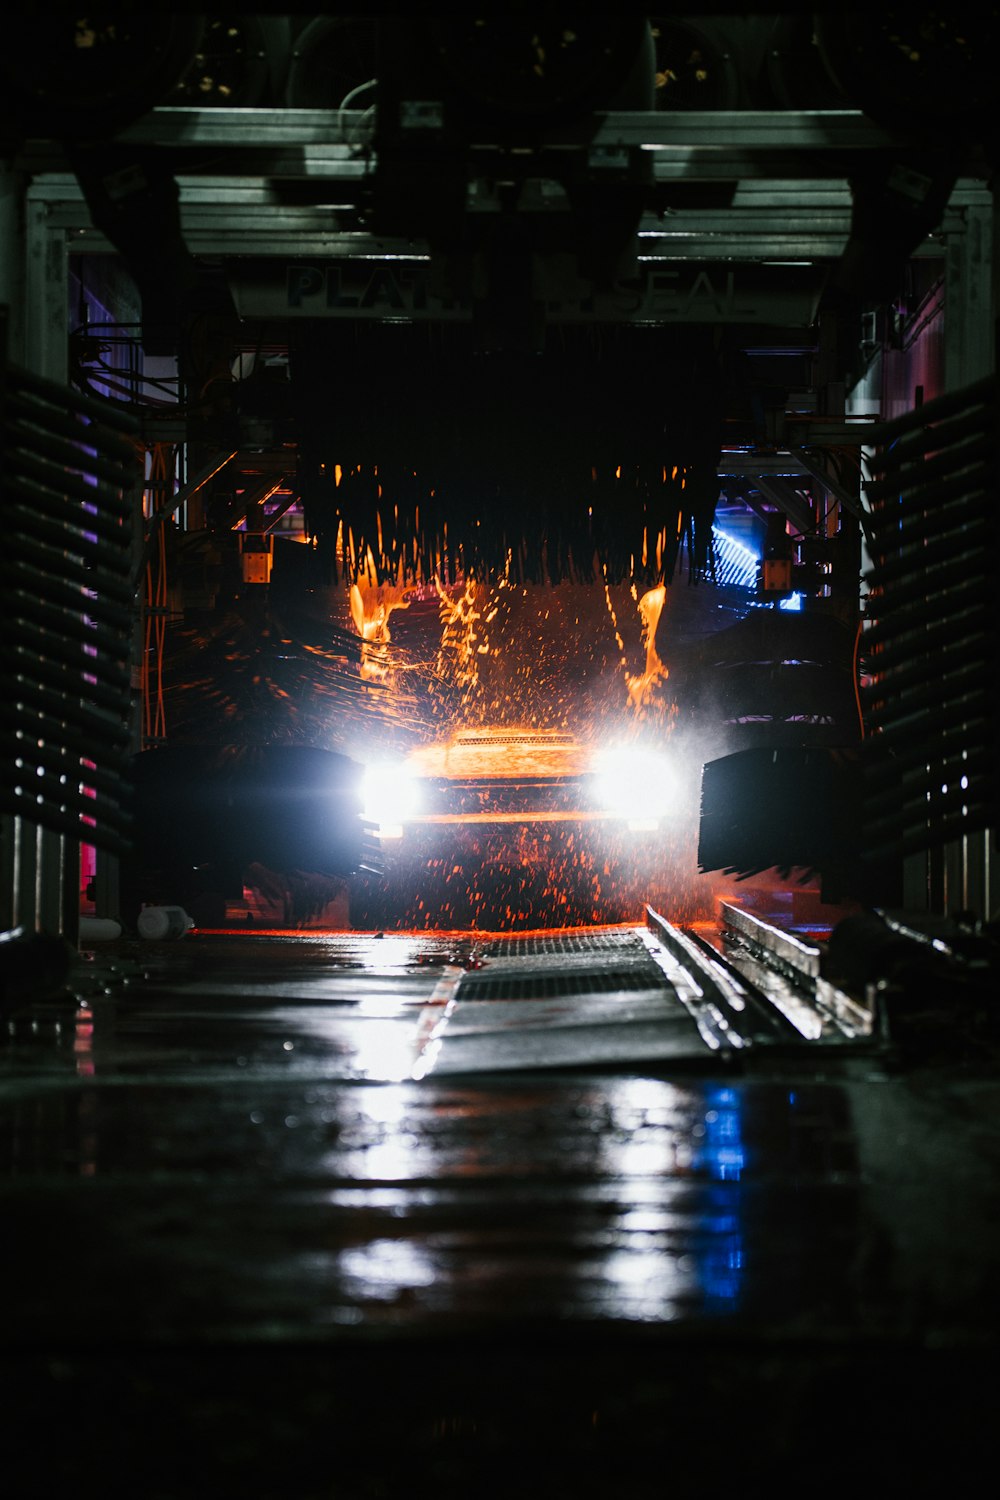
x,y
793,979
728,1015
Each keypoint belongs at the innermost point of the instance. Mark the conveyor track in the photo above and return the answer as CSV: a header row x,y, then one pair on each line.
x,y
598,998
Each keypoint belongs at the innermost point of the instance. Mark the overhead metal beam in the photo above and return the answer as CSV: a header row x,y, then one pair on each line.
x,y
282,510
252,500
781,494
818,132
236,215
842,495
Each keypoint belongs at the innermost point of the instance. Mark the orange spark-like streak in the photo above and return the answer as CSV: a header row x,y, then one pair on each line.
x,y
641,685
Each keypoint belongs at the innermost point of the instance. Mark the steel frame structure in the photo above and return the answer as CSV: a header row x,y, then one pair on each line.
x,y
290,186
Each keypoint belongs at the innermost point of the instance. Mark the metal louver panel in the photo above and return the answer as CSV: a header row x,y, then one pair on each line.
x,y
931,707
66,468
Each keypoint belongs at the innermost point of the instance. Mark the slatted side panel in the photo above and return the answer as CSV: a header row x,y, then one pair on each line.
x,y
931,708
68,467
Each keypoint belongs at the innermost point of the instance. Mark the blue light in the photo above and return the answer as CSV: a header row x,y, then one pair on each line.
x,y
735,563
723,1159
794,601
721,1155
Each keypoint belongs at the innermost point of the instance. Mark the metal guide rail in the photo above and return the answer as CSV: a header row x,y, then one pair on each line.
x,y
654,994
922,988
790,970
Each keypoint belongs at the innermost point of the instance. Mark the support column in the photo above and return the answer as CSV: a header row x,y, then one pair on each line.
x,y
970,353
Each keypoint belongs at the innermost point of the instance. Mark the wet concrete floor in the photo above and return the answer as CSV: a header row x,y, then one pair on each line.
x,y
355,1210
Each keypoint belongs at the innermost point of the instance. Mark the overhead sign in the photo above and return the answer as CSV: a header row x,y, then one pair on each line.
x,y
661,292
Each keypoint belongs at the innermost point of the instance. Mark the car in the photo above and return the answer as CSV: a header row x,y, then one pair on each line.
x,y
514,827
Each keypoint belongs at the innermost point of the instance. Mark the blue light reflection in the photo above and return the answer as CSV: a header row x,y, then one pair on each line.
x,y
722,1158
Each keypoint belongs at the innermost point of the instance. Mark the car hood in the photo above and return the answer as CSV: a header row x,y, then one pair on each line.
x,y
472,755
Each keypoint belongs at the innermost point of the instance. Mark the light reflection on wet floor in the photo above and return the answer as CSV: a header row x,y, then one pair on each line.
x,y
234,1146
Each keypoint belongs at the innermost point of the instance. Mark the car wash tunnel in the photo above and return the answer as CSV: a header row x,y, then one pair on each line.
x,y
498,922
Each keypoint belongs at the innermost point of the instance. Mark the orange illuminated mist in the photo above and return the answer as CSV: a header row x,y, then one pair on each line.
x,y
479,754
641,685
371,607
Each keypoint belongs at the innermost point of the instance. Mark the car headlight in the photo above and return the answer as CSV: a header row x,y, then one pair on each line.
x,y
635,784
390,795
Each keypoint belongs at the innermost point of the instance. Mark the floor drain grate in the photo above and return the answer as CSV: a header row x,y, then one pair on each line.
x,y
541,986
530,947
